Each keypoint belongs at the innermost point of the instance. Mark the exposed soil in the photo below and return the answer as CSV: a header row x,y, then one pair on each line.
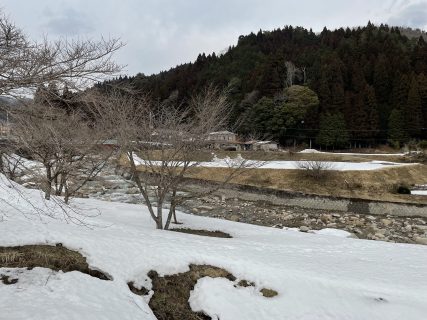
x,y
206,233
171,293
138,291
44,256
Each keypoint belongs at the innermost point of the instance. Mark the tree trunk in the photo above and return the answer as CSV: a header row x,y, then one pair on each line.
x,y
61,184
172,212
48,186
55,181
175,220
159,221
67,191
138,182
168,221
1,162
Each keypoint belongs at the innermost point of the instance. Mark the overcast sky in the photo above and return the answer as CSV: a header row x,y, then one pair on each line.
x,y
163,33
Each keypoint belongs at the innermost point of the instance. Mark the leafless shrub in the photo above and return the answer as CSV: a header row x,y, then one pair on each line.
x,y
315,169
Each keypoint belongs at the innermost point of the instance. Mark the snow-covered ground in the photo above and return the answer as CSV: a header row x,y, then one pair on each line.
x,y
16,163
419,192
354,153
288,165
317,276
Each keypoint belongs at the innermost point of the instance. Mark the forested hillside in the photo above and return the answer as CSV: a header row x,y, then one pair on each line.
x,y
337,88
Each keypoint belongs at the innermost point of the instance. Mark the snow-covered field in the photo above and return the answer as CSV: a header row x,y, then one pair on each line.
x,y
317,276
288,165
354,153
419,192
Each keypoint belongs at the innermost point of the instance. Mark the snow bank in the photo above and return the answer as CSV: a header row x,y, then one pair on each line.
x,y
353,153
419,192
13,160
43,294
334,233
310,151
285,165
316,276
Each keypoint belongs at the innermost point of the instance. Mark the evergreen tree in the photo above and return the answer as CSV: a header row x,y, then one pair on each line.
x,y
382,79
396,127
333,131
234,90
371,106
361,73
413,111
324,92
422,86
400,91
259,117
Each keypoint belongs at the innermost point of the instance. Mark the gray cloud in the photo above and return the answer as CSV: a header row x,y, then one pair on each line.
x,y
68,22
413,15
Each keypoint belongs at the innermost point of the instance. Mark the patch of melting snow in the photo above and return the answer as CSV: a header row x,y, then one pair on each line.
x,y
420,190
334,233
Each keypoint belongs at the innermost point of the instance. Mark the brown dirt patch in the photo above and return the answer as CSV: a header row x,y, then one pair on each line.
x,y
206,233
44,256
268,293
171,292
138,291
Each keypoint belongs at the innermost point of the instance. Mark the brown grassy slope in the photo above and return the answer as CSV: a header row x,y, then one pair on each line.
x,y
373,185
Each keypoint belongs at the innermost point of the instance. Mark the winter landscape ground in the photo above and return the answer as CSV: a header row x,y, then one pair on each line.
x,y
316,276
280,175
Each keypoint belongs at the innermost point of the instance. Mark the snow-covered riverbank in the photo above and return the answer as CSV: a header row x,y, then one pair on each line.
x,y
317,276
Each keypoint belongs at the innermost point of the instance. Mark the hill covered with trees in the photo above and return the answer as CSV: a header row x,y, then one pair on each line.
x,y
358,87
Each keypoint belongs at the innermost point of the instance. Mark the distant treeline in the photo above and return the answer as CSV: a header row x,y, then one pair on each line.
x,y
360,86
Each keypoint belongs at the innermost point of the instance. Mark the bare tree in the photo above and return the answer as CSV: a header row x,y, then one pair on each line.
x,y
160,142
304,73
27,64
291,69
68,146
10,164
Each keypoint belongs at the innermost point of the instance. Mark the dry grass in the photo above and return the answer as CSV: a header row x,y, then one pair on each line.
x,y
55,258
371,185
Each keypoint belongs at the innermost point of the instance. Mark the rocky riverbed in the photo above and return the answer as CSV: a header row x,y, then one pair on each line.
x,y
383,228
115,185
